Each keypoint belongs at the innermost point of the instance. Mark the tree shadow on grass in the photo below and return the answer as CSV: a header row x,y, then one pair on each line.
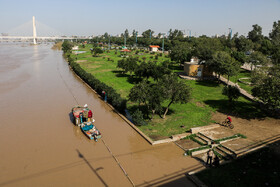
x,y
143,109
131,79
246,110
134,80
175,67
208,83
120,73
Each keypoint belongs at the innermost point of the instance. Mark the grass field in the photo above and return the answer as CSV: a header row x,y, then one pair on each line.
x,y
206,95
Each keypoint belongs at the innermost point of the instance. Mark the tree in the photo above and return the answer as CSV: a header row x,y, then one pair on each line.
x,y
266,47
224,64
106,36
126,33
175,35
148,33
137,117
181,52
232,92
232,68
96,51
243,44
206,47
175,90
67,46
267,87
239,56
275,39
131,64
155,98
128,64
275,33
256,34
139,93
257,58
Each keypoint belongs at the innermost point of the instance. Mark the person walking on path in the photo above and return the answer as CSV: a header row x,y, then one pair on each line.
x,y
210,155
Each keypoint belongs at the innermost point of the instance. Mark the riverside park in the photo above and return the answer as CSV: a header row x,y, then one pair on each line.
x,y
193,123
150,93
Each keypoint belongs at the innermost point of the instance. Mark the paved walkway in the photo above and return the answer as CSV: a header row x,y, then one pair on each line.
x,y
242,91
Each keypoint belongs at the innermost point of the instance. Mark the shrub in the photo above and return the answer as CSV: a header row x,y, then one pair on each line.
x,y
137,117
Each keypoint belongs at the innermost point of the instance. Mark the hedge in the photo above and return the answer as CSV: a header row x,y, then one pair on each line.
x,y
112,96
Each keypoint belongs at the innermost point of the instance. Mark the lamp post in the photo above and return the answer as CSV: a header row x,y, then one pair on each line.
x,y
136,38
109,41
190,33
163,43
230,33
124,40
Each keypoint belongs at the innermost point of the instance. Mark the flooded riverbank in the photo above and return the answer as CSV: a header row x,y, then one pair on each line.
x,y
41,146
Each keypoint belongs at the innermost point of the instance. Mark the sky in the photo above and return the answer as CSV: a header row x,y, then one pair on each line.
x,y
95,17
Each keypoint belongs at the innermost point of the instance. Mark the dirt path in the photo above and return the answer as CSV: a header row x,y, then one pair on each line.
x,y
254,129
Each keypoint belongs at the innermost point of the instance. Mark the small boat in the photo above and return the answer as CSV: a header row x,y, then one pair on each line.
x,y
81,114
90,131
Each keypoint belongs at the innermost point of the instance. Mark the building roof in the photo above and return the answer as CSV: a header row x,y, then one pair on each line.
x,y
125,50
154,46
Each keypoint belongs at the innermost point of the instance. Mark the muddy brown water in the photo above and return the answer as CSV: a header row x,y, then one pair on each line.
x,y
40,146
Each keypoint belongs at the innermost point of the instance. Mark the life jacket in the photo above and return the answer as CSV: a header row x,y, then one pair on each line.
x,y
89,114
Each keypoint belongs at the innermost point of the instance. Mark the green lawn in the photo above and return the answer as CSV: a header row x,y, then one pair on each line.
x,y
206,96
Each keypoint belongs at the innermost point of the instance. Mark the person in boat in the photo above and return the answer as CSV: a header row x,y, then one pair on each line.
x,y
81,117
89,115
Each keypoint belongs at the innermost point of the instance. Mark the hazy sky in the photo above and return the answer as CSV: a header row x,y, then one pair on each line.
x,y
93,17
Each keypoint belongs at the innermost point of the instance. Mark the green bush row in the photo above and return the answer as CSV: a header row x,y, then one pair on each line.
x,y
196,140
230,137
112,96
189,152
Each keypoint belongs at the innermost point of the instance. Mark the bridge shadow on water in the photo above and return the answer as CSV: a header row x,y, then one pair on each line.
x,y
91,167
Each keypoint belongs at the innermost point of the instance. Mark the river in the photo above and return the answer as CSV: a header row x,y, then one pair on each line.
x,y
40,146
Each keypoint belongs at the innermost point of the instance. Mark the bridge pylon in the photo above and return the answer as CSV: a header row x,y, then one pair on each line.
x,y
34,32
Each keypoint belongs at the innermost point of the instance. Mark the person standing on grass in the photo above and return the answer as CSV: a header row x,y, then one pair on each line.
x,y
210,155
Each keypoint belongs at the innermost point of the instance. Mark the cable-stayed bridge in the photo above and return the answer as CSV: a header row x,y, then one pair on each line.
x,y
23,33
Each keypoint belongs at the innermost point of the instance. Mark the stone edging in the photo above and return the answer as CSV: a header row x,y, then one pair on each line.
x,y
241,80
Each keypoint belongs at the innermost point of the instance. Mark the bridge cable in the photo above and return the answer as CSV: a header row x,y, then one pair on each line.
x,y
130,180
